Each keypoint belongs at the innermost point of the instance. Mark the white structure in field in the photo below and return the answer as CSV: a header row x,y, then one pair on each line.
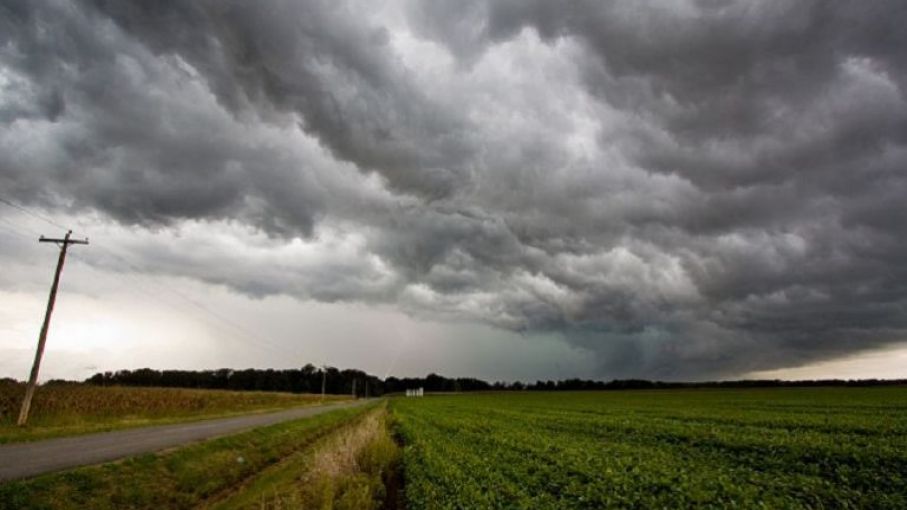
x,y
418,392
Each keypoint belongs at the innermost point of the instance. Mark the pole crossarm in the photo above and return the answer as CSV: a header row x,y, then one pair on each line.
x,y
65,240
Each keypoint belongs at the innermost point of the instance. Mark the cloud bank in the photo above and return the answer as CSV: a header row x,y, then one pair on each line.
x,y
688,190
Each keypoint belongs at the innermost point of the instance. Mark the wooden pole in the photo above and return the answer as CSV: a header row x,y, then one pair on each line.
x,y
42,338
324,374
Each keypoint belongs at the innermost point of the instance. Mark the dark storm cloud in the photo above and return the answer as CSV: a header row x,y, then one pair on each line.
x,y
321,61
688,189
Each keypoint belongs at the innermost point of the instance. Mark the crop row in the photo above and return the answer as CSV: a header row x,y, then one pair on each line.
x,y
806,448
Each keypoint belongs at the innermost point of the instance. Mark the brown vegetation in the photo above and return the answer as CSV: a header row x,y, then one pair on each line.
x,y
73,408
357,467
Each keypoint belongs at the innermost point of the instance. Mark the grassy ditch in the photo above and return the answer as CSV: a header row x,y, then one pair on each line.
x,y
355,467
71,409
181,478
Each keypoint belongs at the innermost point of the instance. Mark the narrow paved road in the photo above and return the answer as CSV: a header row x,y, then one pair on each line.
x,y
28,459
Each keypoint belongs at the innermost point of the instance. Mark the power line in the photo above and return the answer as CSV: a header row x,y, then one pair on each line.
x,y
32,213
18,229
156,291
238,331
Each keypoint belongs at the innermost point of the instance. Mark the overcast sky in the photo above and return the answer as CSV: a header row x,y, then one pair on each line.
x,y
505,189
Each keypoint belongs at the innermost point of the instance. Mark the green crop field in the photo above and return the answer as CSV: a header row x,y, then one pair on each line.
x,y
742,448
694,448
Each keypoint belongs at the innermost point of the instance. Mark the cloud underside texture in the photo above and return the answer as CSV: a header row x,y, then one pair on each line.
x,y
687,189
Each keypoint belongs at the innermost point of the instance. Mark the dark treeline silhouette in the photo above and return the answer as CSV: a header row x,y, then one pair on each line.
x,y
308,380
436,383
305,380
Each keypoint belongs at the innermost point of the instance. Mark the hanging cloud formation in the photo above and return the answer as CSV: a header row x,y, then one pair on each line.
x,y
689,190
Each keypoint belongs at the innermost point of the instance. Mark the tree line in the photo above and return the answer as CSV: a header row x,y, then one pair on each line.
x,y
309,379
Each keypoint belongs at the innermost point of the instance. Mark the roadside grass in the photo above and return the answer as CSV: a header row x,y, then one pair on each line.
x,y
356,467
180,478
73,409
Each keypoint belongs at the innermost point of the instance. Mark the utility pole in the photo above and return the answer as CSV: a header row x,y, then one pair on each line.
x,y
42,339
324,374
354,388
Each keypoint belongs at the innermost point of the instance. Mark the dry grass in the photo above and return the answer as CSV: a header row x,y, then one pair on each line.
x,y
340,455
357,467
76,408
